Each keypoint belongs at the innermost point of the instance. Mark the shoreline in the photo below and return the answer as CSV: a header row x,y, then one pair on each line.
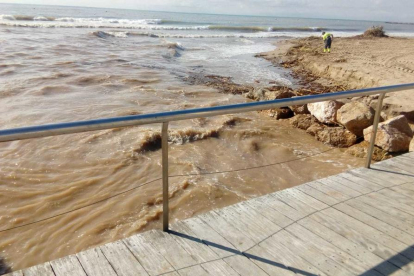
x,y
372,62
345,68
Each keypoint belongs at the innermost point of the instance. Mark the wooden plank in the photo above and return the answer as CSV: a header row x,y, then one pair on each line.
x,y
379,198
122,260
219,268
403,164
248,221
370,232
361,181
198,228
193,245
237,238
382,175
376,223
243,266
397,197
310,254
386,213
148,256
371,260
287,198
261,207
409,186
94,263
39,270
406,189
395,166
282,207
16,273
369,242
330,191
340,187
67,266
171,274
177,256
351,263
317,194
363,189
307,199
406,158
192,271
410,155
276,259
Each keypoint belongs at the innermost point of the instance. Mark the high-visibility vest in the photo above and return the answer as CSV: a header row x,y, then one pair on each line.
x,y
326,35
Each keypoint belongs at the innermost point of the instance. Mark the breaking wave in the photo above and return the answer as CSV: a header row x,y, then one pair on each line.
x,y
78,20
143,24
211,35
151,141
266,29
102,34
178,46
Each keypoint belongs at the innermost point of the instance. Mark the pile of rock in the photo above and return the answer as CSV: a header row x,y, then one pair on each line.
x,y
344,124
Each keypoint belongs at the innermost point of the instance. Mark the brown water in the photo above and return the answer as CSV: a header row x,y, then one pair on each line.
x,y
47,75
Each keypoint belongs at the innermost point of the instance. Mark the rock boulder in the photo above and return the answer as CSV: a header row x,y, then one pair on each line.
x,y
412,145
281,113
355,117
300,109
277,95
393,135
361,150
326,111
302,121
336,136
315,128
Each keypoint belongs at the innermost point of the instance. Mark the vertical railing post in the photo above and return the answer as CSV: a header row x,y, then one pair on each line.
x,y
374,130
165,194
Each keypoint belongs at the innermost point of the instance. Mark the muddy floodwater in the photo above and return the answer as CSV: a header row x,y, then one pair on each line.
x,y
51,74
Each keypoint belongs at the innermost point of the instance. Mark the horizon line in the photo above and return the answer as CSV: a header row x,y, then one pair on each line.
x,y
223,14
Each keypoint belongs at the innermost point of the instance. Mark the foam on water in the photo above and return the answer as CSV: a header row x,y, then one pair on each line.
x,y
102,34
148,24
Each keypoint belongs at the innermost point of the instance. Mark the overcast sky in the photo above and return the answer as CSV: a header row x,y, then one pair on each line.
x,y
380,10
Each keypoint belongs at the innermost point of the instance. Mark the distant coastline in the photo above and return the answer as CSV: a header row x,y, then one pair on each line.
x,y
400,23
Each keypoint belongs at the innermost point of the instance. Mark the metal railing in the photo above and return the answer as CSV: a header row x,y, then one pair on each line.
x,y
165,117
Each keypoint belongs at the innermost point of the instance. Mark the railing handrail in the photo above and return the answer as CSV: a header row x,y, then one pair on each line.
x,y
145,119
166,117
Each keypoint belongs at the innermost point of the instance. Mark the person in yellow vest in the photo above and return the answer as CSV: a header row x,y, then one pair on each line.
x,y
327,38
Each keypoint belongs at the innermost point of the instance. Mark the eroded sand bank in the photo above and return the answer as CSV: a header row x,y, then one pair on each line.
x,y
354,62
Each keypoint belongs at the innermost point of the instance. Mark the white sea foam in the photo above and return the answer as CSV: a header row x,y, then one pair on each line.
x,y
72,22
102,34
41,18
143,24
7,17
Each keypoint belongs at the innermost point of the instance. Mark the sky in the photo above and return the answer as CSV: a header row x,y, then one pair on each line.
x,y
377,10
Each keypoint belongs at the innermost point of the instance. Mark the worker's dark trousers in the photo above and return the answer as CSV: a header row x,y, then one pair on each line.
x,y
328,43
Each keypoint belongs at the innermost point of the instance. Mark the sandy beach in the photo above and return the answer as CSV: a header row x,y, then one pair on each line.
x,y
355,62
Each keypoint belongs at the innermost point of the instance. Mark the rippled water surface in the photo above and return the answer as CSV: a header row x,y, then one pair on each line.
x,y
62,65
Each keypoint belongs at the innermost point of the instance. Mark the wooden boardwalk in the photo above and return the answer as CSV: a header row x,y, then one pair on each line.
x,y
356,223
